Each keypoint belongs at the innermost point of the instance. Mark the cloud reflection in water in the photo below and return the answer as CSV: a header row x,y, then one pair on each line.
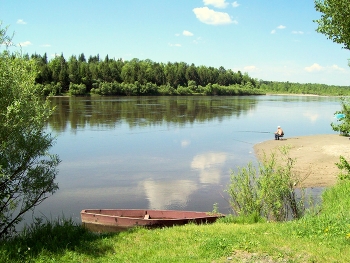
x,y
161,195
209,166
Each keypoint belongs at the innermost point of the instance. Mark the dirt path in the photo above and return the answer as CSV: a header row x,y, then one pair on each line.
x,y
315,155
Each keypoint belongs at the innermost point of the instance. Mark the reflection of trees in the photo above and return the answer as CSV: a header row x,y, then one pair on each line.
x,y
79,112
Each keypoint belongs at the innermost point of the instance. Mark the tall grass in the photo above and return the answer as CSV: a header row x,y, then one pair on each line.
x,y
270,192
45,238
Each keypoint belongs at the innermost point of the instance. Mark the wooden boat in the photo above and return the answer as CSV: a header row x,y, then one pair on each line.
x,y
111,220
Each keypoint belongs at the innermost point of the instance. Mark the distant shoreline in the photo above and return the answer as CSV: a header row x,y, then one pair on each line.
x,y
302,95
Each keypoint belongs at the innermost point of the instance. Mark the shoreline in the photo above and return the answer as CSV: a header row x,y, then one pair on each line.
x,y
315,156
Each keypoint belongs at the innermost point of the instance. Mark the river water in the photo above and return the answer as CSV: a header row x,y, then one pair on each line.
x,y
166,152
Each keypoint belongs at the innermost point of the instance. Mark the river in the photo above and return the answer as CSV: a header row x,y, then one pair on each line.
x,y
166,152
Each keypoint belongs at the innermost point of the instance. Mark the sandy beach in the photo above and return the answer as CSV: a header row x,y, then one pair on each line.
x,y
315,156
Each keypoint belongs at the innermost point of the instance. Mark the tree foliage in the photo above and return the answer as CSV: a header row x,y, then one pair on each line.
x,y
269,193
27,170
303,88
60,72
335,20
146,77
343,122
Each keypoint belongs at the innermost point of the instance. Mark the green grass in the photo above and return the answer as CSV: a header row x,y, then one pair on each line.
x,y
322,237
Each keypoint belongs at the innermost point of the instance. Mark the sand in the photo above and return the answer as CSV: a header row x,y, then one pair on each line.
x,y
315,156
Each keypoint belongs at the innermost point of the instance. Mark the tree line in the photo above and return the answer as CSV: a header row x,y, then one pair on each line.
x,y
111,76
303,88
80,76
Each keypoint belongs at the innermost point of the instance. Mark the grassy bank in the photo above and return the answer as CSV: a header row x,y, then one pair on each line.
x,y
321,237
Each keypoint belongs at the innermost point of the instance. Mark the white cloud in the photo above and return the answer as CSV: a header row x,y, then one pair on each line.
x,y
177,34
314,67
198,40
211,17
21,22
46,45
25,44
336,67
174,45
279,27
216,3
235,4
187,33
297,32
250,68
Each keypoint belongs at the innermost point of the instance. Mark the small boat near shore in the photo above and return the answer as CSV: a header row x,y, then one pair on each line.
x,y
112,220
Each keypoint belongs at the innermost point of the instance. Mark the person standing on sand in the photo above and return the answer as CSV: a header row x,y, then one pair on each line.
x,y
279,133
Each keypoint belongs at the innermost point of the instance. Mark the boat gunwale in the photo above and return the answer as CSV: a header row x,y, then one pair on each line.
x,y
203,215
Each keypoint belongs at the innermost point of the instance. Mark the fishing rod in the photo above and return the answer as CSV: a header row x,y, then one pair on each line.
x,y
256,131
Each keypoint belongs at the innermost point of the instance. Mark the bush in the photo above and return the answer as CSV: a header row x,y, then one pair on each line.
x,y
51,89
343,122
269,193
27,169
166,90
183,90
77,89
344,167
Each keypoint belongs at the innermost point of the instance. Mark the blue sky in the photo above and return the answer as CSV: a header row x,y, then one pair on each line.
x,y
270,40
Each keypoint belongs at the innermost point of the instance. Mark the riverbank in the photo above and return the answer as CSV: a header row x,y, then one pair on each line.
x,y
227,240
315,156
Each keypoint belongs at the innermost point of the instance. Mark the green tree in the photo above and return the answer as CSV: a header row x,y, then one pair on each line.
x,y
73,70
343,118
44,75
105,70
81,58
127,73
335,20
116,69
192,74
55,68
181,74
170,74
86,77
63,76
27,170
155,73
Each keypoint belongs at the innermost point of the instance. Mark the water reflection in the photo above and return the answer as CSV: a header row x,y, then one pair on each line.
x,y
110,112
209,166
164,195
311,116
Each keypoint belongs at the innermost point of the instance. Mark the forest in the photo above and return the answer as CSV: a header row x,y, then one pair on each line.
x,y
110,76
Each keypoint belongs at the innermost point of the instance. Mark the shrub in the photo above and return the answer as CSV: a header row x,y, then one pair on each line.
x,y
166,90
77,89
27,169
183,90
343,123
270,193
344,167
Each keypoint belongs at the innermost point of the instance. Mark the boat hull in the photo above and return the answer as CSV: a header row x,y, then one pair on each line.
x,y
110,220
